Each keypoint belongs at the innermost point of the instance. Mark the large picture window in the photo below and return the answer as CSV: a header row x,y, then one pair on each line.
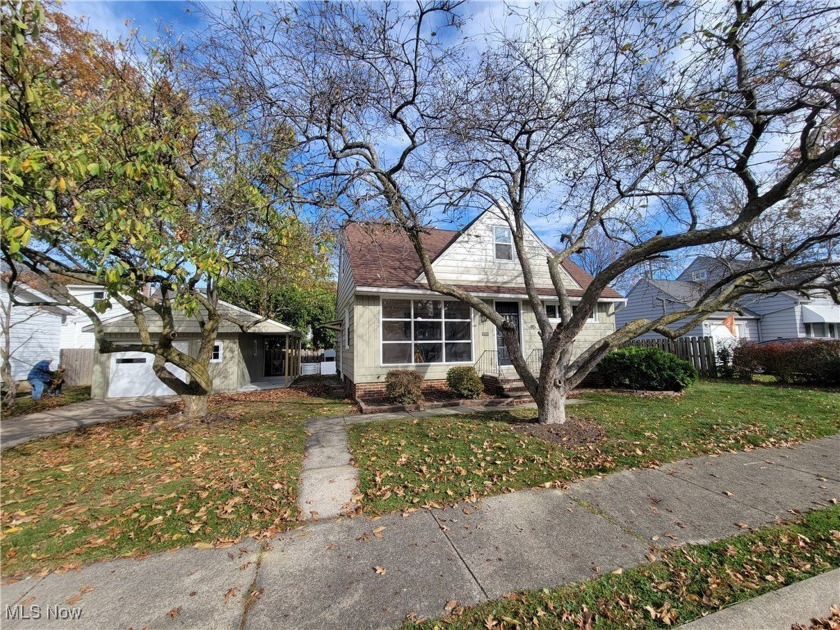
x,y
426,331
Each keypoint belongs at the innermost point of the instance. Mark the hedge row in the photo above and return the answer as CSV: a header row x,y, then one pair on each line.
x,y
810,362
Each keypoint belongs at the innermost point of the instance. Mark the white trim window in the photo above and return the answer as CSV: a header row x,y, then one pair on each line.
x,y
823,330
552,309
699,276
420,332
216,356
502,243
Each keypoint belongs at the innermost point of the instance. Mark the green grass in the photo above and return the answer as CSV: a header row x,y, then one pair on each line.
x,y
443,460
152,483
682,585
24,404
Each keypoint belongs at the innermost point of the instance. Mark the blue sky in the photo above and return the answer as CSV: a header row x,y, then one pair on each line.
x,y
114,18
109,18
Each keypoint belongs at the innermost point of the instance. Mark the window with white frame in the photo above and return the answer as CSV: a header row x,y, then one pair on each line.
x,y
502,243
817,330
426,331
216,357
699,276
98,295
552,309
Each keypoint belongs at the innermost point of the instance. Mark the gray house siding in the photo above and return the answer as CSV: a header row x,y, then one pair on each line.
x,y
645,301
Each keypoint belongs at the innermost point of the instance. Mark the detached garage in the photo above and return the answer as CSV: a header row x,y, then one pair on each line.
x,y
268,353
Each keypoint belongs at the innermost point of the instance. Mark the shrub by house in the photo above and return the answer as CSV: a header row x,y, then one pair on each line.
x,y
464,381
404,386
646,368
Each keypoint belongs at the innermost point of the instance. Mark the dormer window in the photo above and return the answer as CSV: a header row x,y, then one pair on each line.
x,y
98,295
503,243
699,276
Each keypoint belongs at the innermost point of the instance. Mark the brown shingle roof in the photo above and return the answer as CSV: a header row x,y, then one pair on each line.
x,y
382,256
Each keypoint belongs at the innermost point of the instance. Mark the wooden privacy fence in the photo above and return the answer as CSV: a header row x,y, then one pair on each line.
x,y
79,365
311,356
699,351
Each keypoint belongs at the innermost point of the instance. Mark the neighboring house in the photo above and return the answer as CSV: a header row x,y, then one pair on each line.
x,y
32,332
73,333
389,319
764,317
240,360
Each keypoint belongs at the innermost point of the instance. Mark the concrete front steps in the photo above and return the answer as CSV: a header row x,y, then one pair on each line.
x,y
506,387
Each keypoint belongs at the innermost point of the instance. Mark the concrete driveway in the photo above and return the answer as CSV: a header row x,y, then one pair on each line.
x,y
17,430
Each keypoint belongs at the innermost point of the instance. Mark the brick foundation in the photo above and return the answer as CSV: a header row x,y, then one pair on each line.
x,y
377,390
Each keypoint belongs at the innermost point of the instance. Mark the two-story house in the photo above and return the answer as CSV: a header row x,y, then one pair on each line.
x,y
760,317
389,319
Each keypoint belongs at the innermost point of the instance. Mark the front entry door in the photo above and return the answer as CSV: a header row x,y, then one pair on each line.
x,y
510,311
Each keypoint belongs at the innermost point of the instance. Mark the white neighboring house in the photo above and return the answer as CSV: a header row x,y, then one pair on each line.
x,y
34,332
764,317
73,334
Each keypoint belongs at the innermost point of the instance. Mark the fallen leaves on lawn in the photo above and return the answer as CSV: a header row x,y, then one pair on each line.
x,y
148,483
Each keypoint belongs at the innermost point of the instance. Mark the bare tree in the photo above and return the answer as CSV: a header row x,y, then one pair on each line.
x,y
606,116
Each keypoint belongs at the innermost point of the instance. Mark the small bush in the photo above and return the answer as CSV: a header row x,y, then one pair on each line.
x,y
809,362
404,386
725,369
645,368
464,381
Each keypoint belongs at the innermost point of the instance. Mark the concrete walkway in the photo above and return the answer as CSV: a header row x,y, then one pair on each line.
x,y
371,572
778,610
329,480
17,430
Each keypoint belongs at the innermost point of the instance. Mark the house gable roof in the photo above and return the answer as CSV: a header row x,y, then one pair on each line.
x,y
124,324
688,293
382,256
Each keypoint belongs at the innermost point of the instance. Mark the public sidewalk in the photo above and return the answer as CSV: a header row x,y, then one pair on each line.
x,y
778,610
21,429
372,572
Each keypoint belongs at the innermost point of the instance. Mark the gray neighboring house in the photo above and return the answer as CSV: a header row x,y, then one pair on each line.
x,y
267,355
782,315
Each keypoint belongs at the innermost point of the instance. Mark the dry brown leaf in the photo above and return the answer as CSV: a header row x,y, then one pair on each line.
x,y
380,570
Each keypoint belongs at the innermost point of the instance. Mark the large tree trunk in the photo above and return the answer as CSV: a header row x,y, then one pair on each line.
x,y
195,406
551,403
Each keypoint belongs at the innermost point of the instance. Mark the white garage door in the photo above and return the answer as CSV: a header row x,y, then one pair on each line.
x,y
132,375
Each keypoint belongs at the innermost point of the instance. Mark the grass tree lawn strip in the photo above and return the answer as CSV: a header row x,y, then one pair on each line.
x,y
451,458
149,484
684,584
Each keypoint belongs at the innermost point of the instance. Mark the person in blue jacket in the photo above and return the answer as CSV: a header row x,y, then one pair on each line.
x,y
40,377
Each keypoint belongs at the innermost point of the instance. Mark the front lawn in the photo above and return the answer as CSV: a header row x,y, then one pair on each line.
x,y
25,405
682,585
153,483
447,459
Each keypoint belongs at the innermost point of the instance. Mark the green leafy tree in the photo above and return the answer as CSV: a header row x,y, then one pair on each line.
x,y
305,307
116,172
